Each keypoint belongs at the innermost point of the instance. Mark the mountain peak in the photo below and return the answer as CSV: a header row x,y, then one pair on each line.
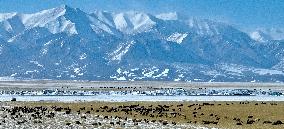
x,y
172,16
65,6
58,11
133,22
4,16
67,43
260,36
68,8
168,16
43,17
205,26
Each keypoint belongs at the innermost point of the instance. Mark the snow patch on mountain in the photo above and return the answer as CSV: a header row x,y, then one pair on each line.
x,y
268,72
152,73
36,63
168,16
52,19
42,18
133,22
6,26
163,74
7,79
83,56
121,51
260,36
239,70
149,73
5,16
62,25
31,72
105,17
1,49
280,65
177,37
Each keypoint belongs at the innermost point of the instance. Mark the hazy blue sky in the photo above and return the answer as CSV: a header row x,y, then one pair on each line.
x,y
245,14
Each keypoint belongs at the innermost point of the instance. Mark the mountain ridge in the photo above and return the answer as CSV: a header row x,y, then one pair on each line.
x,y
67,43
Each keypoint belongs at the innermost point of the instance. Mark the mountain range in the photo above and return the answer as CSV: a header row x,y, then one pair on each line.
x,y
67,43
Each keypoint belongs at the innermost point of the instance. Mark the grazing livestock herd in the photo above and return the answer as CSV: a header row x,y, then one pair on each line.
x,y
134,114
38,117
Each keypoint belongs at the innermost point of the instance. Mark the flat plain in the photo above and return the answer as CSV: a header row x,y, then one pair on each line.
x,y
98,85
140,114
228,115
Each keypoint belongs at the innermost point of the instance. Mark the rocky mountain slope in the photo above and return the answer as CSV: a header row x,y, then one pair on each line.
x,y
67,43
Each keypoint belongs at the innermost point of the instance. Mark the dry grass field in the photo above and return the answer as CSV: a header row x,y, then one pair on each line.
x,y
226,115
250,115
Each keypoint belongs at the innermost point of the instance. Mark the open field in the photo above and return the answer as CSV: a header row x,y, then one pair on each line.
x,y
138,91
129,110
255,115
93,85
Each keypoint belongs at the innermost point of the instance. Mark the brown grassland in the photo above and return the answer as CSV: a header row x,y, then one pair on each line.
x,y
227,114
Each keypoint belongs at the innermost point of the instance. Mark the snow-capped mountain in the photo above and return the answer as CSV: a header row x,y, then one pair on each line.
x,y
67,43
